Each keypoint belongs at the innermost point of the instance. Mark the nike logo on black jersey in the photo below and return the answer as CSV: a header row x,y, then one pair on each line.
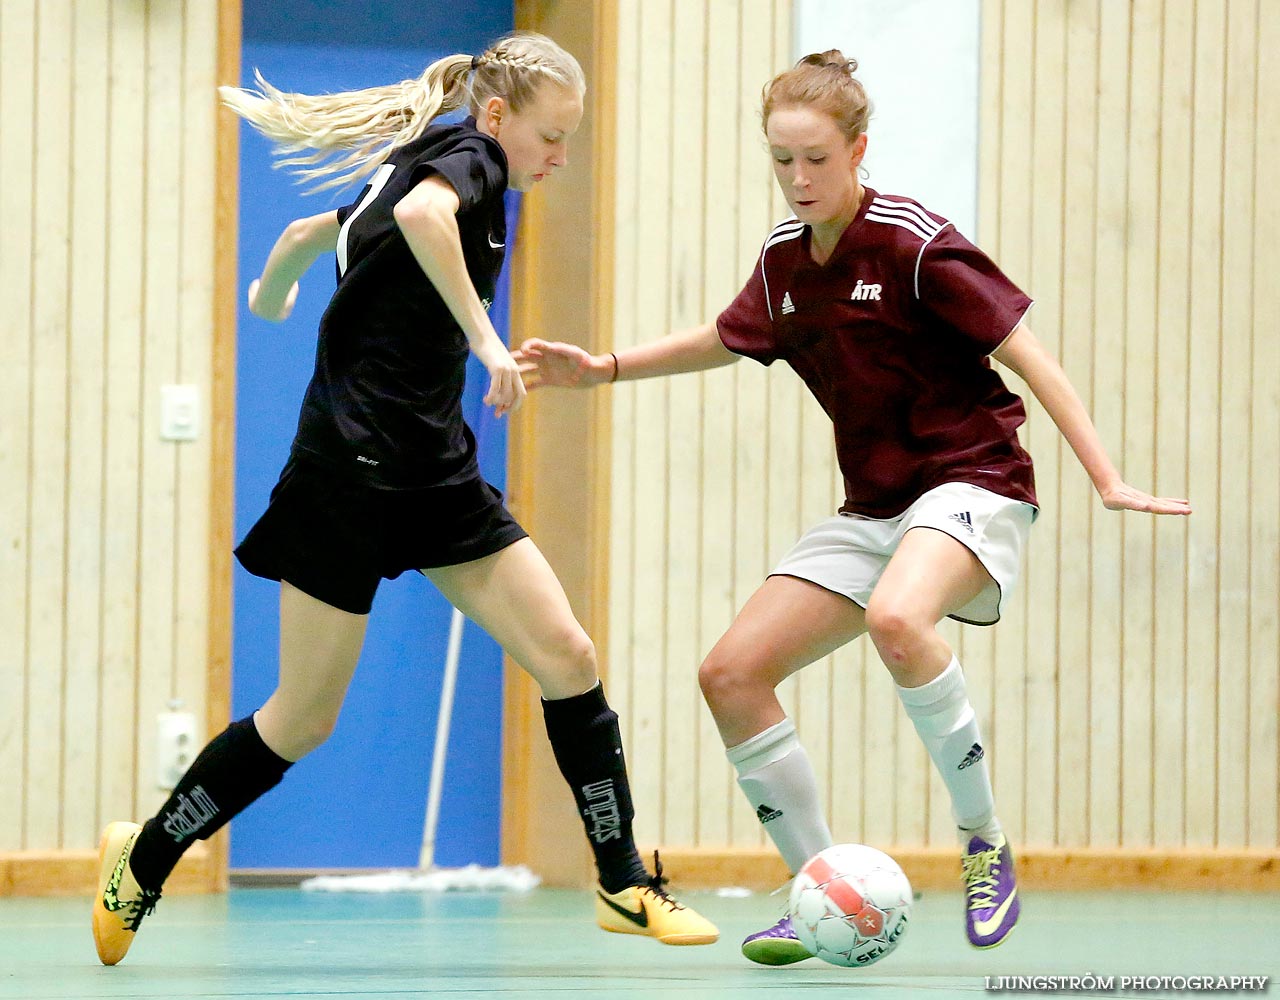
x,y
496,246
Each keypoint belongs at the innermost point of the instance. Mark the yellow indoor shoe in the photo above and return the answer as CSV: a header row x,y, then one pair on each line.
x,y
121,903
649,910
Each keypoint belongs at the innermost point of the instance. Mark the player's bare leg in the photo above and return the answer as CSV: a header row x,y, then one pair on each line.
x,y
787,624
930,575
319,647
515,596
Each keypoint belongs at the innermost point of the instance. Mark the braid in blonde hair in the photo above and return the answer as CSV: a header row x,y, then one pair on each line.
x,y
349,134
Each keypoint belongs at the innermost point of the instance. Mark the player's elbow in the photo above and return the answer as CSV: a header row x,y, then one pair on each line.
x,y
311,235
421,215
297,234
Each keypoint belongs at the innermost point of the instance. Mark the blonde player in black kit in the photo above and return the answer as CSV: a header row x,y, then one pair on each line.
x,y
889,316
383,477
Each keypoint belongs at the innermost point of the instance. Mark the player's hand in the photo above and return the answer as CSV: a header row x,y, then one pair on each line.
x,y
544,362
1122,496
506,388
274,312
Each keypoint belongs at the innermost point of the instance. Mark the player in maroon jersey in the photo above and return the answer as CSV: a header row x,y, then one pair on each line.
x,y
889,315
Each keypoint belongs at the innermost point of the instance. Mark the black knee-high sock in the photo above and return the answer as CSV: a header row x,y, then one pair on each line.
x,y
236,768
588,747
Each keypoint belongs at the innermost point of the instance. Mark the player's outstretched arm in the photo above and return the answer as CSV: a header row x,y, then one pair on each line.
x,y
271,297
544,362
1028,359
427,216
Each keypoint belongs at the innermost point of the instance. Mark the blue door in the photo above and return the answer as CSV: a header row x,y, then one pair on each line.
x,y
359,800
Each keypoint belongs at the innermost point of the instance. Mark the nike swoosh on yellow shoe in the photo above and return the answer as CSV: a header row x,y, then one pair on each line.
x,y
652,913
111,894
120,904
640,918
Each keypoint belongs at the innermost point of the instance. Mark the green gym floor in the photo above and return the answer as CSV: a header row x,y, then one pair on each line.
x,y
261,943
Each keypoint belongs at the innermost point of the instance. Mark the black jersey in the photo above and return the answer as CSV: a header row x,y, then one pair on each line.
x,y
385,402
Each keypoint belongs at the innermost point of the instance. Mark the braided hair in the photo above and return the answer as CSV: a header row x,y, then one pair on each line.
x,y
332,140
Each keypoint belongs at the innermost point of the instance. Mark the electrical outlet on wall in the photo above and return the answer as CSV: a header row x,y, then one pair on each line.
x,y
179,412
175,744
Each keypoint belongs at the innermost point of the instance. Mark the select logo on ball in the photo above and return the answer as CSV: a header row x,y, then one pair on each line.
x,y
850,905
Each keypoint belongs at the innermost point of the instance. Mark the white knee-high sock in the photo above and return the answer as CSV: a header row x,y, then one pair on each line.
x,y
775,773
945,720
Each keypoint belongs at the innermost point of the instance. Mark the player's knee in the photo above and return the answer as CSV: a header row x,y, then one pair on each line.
x,y
721,679
896,633
297,737
573,658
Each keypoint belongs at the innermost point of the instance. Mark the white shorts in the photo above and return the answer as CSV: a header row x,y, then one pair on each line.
x,y
848,553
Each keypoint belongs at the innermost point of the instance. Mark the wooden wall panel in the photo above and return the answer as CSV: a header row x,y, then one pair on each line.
x,y
1170,357
1138,588
157,513
716,793
17,169
107,269
1262,535
1235,321
86,337
1146,250
200,552
1204,280
687,113
650,606
46,568
1130,692
126,221
1106,394
1042,273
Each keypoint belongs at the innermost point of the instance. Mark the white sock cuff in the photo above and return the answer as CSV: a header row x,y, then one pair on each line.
x,y
764,748
938,690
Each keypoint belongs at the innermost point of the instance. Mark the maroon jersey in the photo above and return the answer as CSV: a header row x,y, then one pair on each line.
x,y
892,336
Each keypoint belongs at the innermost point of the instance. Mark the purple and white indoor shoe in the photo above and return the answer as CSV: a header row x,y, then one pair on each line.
x,y
776,945
991,892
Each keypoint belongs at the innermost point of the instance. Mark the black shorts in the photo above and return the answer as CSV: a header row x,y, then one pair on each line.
x,y
337,540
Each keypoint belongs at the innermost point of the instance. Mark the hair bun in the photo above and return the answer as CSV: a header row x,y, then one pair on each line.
x,y
831,59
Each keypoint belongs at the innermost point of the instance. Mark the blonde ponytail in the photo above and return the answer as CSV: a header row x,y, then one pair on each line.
x,y
343,137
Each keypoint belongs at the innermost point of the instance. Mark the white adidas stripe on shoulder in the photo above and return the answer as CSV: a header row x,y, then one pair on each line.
x,y
906,224
906,210
909,224
789,228
782,237
908,217
912,218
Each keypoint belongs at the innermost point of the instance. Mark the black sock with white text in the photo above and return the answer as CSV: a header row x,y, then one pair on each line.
x,y
588,747
234,770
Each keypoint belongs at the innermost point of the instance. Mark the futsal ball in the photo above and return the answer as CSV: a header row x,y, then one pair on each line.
x,y
850,905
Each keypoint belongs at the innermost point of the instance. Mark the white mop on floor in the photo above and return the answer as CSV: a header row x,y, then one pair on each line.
x,y
427,877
